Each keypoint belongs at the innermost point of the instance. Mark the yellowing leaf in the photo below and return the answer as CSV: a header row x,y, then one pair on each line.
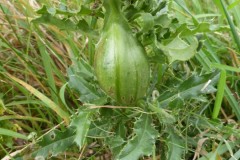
x,y
2,107
43,98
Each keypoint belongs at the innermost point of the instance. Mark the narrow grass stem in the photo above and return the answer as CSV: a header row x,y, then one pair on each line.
x,y
232,26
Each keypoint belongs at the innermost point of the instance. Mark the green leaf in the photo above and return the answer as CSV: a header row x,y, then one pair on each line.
x,y
161,7
183,5
48,16
220,92
146,21
82,80
236,156
220,150
63,10
62,97
45,10
106,121
55,142
64,24
100,129
231,24
175,146
49,103
48,67
178,49
204,27
233,4
115,143
2,107
82,123
191,88
162,115
233,102
142,142
7,132
225,67
163,20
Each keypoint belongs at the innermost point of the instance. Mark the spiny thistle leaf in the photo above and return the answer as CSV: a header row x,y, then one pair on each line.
x,y
55,142
143,141
81,123
81,79
190,88
175,148
115,143
48,16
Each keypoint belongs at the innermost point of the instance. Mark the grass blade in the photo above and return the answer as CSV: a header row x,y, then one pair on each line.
x,y
220,93
43,98
48,69
10,133
232,26
232,101
220,150
62,97
225,67
23,118
235,3
228,94
236,155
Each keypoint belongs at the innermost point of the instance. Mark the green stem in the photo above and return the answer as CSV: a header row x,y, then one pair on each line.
x,y
113,13
113,6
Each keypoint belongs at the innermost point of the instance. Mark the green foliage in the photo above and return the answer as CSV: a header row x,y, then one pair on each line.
x,y
54,143
191,88
221,149
116,144
57,141
142,142
47,17
163,116
190,111
81,123
175,146
80,75
220,92
178,49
